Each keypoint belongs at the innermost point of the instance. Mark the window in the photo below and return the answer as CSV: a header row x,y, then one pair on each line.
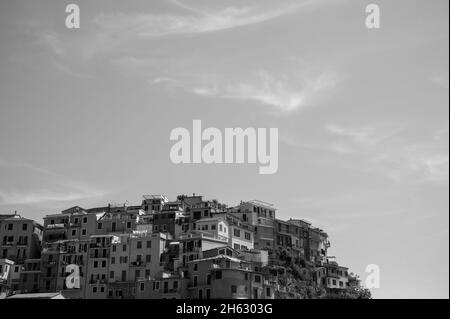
x,y
139,245
95,264
268,292
113,260
85,220
111,274
83,232
99,226
220,227
74,232
237,232
233,289
128,224
149,244
334,282
208,279
195,281
148,258
155,228
10,226
247,236
142,286
104,263
219,274
124,247
102,289
213,227
246,276
175,284
94,289
24,226
195,267
258,279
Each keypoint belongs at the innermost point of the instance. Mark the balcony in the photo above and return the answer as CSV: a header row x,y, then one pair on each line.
x,y
98,256
55,226
98,282
137,264
270,283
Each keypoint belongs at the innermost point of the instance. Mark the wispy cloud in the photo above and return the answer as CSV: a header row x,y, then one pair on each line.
x,y
387,152
366,136
391,150
58,56
24,184
44,196
416,163
440,80
193,19
52,40
283,94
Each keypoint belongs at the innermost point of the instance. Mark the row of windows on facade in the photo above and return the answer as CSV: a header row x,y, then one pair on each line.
x,y
123,260
103,253
10,226
9,240
85,219
233,288
19,253
218,275
137,274
341,283
263,211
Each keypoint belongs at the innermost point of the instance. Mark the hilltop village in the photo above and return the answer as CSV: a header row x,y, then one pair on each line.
x,y
190,248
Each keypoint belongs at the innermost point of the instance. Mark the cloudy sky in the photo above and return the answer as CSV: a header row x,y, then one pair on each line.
x,y
85,116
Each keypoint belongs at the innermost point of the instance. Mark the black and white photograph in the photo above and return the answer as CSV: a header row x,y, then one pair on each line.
x,y
239,150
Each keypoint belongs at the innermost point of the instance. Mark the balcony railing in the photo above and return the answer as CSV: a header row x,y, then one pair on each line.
x,y
98,282
137,264
55,226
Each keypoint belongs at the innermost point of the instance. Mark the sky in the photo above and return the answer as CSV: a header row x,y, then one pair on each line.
x,y
86,115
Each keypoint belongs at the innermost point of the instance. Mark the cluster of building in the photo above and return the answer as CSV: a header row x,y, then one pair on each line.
x,y
188,248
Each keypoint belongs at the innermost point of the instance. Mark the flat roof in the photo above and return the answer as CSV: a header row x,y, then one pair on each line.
x,y
46,295
218,257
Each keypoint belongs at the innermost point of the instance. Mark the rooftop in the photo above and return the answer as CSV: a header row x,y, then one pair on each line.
x,y
49,295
